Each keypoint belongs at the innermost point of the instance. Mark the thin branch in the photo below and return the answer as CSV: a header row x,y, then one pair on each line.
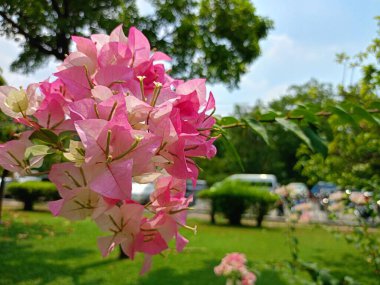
x,y
32,40
298,118
66,8
230,126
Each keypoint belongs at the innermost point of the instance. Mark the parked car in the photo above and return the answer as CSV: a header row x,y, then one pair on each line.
x,y
323,189
364,204
22,179
25,178
298,191
141,192
191,190
268,180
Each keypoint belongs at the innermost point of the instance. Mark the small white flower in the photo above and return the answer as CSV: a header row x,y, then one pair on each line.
x,y
18,103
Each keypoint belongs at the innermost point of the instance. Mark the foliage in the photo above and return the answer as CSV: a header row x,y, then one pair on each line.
x,y
313,133
323,276
234,197
32,191
367,243
366,210
317,274
353,158
269,136
207,38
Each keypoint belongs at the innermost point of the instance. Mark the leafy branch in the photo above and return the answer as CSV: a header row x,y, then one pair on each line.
x,y
304,122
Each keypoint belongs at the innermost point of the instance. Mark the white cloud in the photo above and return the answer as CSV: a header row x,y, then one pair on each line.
x,y
284,61
282,47
275,92
9,51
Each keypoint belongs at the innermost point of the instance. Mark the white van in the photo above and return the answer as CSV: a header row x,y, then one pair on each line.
x,y
268,180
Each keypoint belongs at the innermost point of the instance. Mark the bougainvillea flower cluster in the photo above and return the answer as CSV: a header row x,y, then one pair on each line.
x,y
112,115
233,266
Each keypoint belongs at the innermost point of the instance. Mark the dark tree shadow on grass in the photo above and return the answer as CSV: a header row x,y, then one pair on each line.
x,y
16,229
44,267
20,262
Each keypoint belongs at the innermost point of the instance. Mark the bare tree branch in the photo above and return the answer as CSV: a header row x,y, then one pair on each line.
x,y
33,41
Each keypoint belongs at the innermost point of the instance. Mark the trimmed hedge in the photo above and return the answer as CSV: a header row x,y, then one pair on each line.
x,y
31,191
234,197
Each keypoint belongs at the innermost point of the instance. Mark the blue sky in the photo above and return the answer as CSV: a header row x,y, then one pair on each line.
x,y
303,44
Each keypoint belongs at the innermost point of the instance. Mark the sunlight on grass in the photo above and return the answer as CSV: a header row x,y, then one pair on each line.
x,y
36,248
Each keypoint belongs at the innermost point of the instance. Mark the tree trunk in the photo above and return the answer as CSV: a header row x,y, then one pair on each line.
x,y
235,219
2,188
259,220
260,215
212,213
28,205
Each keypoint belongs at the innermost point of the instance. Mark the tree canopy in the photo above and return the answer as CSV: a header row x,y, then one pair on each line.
x,y
207,38
314,132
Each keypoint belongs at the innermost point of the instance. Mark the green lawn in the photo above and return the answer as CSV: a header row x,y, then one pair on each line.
x,y
36,248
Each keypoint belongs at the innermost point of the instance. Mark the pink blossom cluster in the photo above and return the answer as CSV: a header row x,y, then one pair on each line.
x,y
112,114
233,266
302,212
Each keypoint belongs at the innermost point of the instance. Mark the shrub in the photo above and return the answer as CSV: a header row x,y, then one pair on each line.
x,y
32,191
234,197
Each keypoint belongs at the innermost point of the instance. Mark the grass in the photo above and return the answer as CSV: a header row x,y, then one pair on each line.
x,y
36,248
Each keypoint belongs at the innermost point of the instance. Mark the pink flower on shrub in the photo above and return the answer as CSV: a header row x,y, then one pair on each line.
x,y
113,115
248,279
233,266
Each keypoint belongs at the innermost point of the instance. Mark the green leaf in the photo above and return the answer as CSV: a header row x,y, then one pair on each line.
x,y
37,150
231,148
311,107
343,115
301,111
270,116
363,114
294,128
228,121
375,105
376,119
50,159
257,128
66,135
319,145
44,136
